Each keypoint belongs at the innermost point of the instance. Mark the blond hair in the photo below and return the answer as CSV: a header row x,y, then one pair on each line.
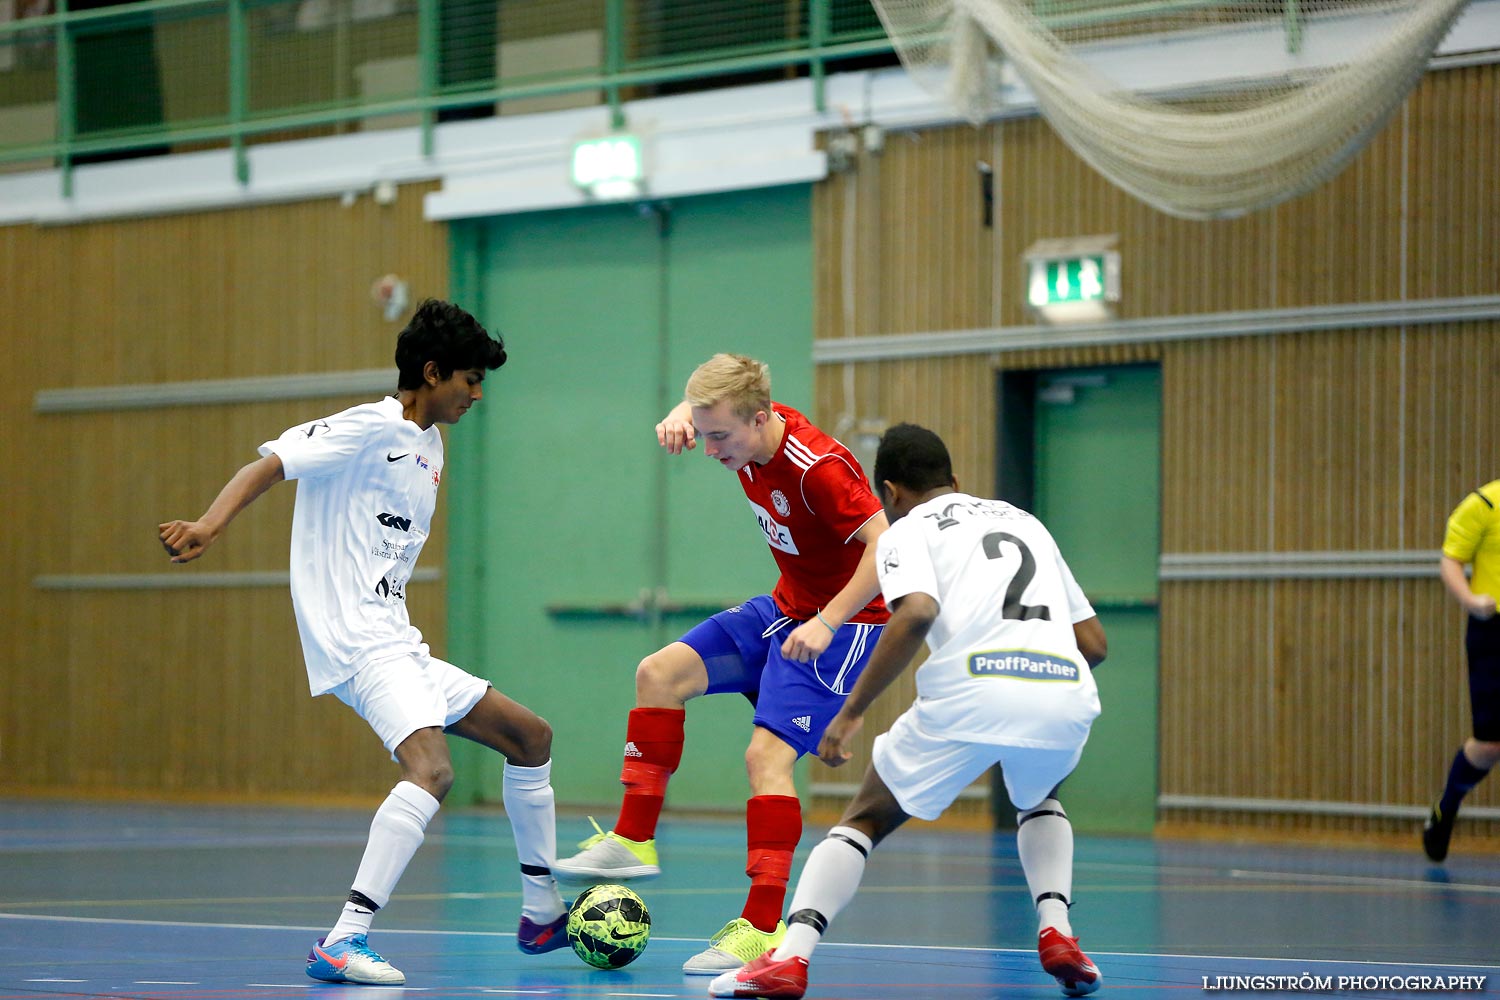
x,y
744,382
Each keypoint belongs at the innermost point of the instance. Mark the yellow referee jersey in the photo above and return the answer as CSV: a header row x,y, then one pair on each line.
x,y
1474,537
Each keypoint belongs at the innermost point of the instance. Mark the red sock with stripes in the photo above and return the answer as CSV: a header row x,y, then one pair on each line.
x,y
773,825
653,749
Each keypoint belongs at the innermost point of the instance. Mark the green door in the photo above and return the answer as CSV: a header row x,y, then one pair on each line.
x,y
577,546
1097,487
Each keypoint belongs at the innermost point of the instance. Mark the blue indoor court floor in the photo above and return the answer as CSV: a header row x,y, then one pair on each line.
x,y
221,903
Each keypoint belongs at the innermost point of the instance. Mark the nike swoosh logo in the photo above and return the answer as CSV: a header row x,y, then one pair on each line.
x,y
337,963
396,458
614,932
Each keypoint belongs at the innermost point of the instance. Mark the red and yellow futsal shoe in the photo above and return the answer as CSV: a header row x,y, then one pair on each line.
x,y
764,977
1061,958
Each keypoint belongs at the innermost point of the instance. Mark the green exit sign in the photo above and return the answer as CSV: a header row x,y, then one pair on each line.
x,y
610,167
1077,286
1079,279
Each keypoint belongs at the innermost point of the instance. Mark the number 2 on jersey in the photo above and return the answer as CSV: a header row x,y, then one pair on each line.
x,y
1013,608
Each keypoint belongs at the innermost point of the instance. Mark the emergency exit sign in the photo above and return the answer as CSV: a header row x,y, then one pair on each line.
x,y
611,167
1079,279
1073,280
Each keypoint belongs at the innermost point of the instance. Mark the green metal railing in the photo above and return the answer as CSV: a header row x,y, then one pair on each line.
x,y
170,75
188,74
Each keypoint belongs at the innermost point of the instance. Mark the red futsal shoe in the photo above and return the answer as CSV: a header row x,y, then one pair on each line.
x,y
1061,958
764,977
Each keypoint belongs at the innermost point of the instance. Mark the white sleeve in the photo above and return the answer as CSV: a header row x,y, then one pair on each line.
x,y
1079,608
904,565
322,447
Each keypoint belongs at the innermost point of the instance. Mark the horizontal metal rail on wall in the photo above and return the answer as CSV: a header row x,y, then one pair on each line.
x,y
1304,807
213,392
185,580
827,351
1261,322
1385,565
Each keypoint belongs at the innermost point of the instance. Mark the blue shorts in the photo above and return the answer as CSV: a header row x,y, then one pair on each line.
x,y
741,648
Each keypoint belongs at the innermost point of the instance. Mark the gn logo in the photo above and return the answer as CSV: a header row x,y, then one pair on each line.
x,y
393,521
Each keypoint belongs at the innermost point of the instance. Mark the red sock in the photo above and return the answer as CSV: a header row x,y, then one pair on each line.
x,y
653,749
773,825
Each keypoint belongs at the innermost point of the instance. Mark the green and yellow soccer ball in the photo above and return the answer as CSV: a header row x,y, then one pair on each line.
x,y
608,926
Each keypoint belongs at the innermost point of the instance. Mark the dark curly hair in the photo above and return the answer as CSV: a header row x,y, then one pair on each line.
x,y
442,332
913,457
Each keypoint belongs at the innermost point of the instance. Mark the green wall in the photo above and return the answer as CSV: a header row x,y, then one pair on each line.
x,y
559,495
1098,486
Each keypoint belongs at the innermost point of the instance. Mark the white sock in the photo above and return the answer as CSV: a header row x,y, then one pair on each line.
x,y
828,882
529,802
395,834
1044,842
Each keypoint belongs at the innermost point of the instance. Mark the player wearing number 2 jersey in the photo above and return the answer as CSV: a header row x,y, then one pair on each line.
x,y
795,652
1012,639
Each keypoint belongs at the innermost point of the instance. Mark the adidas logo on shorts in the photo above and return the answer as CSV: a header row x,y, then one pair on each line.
x,y
631,751
803,722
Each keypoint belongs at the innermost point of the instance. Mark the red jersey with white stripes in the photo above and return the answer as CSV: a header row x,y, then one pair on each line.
x,y
809,501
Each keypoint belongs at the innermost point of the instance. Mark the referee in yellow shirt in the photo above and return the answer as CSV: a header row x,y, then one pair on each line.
x,y
1473,537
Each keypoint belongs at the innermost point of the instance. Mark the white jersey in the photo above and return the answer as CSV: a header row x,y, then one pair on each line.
x,y
1004,664
367,482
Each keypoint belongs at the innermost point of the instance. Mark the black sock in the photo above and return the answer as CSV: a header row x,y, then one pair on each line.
x,y
1462,777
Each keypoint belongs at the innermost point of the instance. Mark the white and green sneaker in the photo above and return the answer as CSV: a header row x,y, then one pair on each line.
x,y
608,857
739,942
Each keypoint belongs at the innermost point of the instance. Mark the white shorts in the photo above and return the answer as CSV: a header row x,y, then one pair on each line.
x,y
925,773
406,693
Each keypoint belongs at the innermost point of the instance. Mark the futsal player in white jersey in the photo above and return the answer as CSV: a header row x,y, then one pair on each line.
x,y
367,485
1011,639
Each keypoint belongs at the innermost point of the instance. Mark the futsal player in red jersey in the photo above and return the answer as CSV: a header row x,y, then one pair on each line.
x,y
795,652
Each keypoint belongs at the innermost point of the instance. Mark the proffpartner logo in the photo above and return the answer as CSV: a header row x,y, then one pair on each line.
x,y
1022,664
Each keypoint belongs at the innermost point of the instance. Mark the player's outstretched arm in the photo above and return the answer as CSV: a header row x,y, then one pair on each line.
x,y
911,619
675,432
807,641
187,540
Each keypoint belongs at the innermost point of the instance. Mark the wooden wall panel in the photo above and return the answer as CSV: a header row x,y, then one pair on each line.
x,y
1336,690
1316,690
1334,484
1454,121
197,692
1215,500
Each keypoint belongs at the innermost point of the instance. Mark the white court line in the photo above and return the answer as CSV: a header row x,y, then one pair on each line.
x,y
1415,883
164,982
693,940
232,927
363,987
